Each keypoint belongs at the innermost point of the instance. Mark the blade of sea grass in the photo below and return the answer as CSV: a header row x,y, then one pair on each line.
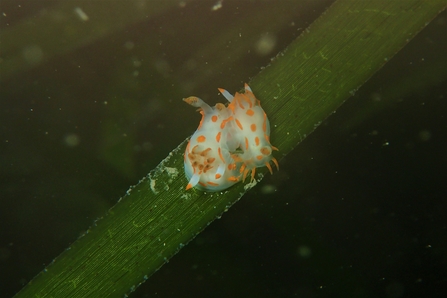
x,y
304,85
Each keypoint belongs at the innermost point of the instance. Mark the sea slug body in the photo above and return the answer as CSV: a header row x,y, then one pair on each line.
x,y
230,142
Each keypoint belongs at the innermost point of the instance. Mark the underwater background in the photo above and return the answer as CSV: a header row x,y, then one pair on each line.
x,y
90,105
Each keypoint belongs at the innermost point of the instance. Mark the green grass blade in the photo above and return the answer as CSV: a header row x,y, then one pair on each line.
x,y
302,87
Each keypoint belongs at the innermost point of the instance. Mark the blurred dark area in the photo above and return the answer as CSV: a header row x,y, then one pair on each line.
x,y
90,106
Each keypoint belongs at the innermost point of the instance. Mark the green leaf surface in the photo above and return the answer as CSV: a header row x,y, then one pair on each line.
x,y
301,87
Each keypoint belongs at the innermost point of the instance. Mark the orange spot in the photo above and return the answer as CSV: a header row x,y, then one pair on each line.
x,y
246,143
201,120
264,125
220,154
253,127
240,104
232,106
233,179
210,160
218,176
188,186
257,141
187,149
250,112
204,152
212,183
259,157
201,139
224,122
218,136
239,124
242,169
265,151
214,118
207,167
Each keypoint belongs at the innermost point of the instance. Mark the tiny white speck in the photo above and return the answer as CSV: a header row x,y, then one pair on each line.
x,y
81,14
217,6
153,187
173,172
72,140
